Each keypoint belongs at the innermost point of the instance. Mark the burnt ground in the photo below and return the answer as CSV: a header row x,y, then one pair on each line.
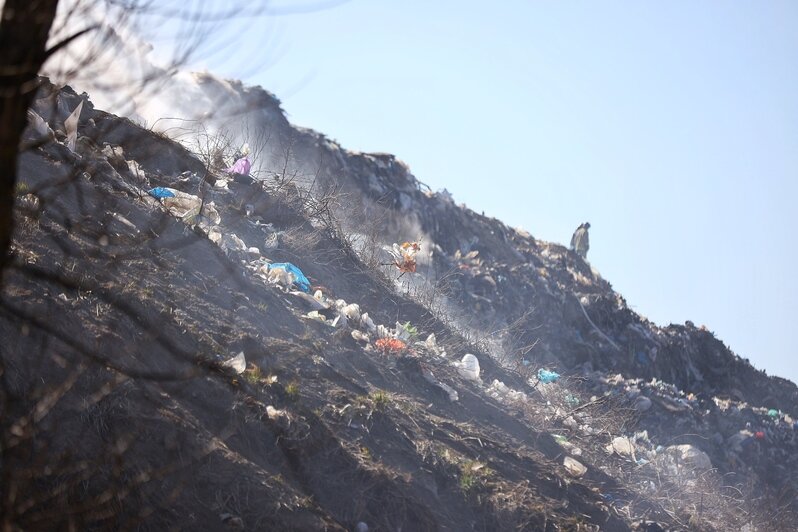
x,y
118,414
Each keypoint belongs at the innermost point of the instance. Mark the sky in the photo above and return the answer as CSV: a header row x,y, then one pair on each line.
x,y
672,127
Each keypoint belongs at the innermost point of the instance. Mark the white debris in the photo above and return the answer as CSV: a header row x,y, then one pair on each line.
x,y
315,304
621,446
71,127
360,336
367,322
136,171
279,276
689,456
314,315
574,467
351,311
468,367
274,413
39,125
238,363
451,392
431,343
384,332
503,393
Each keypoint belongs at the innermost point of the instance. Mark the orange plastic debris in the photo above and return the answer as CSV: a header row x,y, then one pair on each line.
x,y
390,345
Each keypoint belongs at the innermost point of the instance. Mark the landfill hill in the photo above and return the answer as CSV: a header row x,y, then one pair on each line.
x,y
158,374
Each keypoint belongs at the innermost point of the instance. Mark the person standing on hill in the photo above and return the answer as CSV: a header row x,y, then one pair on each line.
x,y
580,242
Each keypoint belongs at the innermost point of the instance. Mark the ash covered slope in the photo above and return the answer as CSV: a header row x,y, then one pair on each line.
x,y
117,315
513,272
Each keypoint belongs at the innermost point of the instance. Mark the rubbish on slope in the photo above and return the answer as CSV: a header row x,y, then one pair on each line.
x,y
574,467
405,331
390,345
367,322
40,126
314,315
185,206
431,345
546,377
468,367
621,446
238,363
360,336
430,378
690,456
595,327
299,278
314,302
71,127
161,192
351,311
404,256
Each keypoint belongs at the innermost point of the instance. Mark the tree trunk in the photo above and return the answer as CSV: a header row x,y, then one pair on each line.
x,y
24,28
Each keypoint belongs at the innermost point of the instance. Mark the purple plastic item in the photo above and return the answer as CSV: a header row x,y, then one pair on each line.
x,y
241,166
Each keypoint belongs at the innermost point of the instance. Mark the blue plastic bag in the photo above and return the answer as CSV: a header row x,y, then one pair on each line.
x,y
545,376
300,280
161,192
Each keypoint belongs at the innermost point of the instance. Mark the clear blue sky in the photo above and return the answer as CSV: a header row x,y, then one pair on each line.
x,y
671,126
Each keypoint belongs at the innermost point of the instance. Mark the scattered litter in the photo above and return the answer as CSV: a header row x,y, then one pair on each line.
x,y
574,467
361,527
135,170
759,435
39,125
621,446
390,345
29,202
451,392
468,367
503,393
383,331
314,302
314,315
185,206
231,243
571,400
162,192
405,331
546,377
367,322
360,336
71,127
404,256
238,363
690,456
773,413
274,413
351,311
299,278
